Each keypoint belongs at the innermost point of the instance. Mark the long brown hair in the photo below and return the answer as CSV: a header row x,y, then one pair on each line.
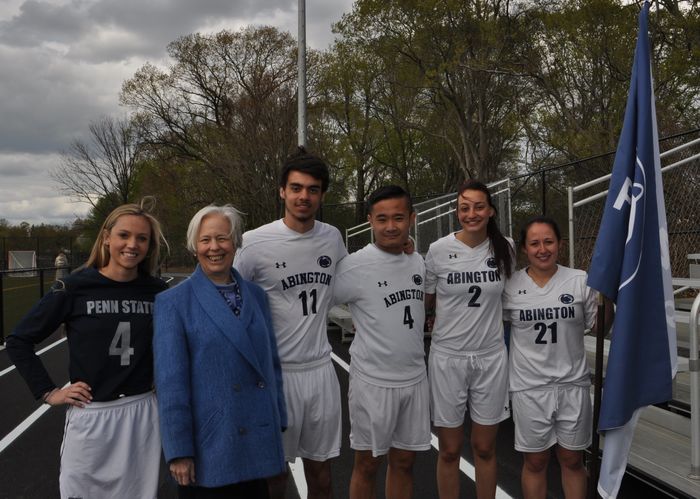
x,y
99,255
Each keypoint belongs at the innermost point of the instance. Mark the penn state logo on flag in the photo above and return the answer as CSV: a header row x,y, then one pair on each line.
x,y
417,279
629,202
566,299
324,261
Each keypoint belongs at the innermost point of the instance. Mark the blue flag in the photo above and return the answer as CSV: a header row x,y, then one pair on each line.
x,y
631,266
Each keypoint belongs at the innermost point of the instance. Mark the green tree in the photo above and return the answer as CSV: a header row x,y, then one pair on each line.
x,y
465,53
580,62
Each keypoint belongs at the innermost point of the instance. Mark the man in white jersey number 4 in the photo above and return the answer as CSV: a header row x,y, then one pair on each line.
x,y
294,261
388,395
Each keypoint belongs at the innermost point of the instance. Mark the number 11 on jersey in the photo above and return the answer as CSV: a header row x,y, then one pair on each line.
x,y
305,299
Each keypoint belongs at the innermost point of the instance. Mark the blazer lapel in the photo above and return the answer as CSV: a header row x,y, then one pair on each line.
x,y
232,327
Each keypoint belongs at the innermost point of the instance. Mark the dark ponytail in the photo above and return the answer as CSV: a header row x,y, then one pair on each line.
x,y
503,252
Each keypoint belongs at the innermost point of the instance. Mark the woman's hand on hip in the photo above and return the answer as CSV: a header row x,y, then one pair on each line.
x,y
77,394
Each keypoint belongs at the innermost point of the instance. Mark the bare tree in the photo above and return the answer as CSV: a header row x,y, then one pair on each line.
x,y
105,166
222,117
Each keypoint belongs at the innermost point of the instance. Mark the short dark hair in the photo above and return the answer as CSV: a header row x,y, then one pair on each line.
x,y
540,219
389,192
305,162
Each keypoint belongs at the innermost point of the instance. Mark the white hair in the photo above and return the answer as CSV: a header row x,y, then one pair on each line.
x,y
227,211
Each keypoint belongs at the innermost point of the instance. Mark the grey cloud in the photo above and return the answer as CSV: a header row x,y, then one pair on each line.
x,y
27,192
143,29
49,101
39,22
63,66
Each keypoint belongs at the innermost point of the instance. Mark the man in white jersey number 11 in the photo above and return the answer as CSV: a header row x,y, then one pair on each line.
x,y
388,395
294,261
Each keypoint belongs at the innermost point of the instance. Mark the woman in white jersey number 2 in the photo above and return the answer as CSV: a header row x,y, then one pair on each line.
x,y
468,363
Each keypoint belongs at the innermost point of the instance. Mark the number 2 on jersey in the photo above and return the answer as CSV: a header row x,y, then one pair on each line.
x,y
121,343
304,301
475,291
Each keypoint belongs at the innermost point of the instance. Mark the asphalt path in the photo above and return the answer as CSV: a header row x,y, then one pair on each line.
x,y
31,433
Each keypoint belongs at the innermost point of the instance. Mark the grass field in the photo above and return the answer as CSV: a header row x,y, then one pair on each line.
x,y
19,295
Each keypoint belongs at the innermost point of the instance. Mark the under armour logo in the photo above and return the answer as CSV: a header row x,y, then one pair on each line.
x,y
522,291
380,283
452,255
281,264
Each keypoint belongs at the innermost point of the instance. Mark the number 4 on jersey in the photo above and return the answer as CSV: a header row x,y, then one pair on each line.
x,y
121,343
407,317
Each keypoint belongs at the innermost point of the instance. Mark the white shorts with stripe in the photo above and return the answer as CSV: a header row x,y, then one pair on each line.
x,y
475,379
312,394
560,414
381,418
111,449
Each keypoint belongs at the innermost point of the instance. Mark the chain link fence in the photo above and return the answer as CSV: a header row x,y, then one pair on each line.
x,y
46,248
681,179
546,192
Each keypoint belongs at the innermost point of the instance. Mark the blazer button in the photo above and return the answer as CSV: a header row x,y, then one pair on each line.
x,y
236,387
242,431
261,384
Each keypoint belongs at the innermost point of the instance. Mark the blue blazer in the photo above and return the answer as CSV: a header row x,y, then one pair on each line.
x,y
219,382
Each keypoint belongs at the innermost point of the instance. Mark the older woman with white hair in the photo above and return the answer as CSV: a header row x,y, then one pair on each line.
x,y
217,372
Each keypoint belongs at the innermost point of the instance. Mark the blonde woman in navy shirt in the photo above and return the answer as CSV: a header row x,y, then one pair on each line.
x,y
111,444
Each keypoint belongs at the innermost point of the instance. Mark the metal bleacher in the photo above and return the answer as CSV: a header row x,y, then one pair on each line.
x,y
666,445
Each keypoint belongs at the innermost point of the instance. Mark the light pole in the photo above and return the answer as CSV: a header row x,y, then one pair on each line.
x,y
301,96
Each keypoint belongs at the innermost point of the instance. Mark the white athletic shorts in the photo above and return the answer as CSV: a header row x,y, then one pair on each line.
x,y
476,379
381,418
111,449
560,414
312,393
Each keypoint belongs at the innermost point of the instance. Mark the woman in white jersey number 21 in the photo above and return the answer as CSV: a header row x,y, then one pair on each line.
x,y
549,307
468,364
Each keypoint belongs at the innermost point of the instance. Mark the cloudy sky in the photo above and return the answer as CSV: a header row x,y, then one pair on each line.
x,y
63,63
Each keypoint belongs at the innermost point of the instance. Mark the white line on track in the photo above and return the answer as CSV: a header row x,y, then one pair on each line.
x,y
297,468
465,466
45,349
24,425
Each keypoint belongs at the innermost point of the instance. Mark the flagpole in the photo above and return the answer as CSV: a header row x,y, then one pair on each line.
x,y
597,396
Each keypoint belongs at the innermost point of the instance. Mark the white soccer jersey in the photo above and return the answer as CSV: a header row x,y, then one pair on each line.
x,y
385,294
296,271
469,289
547,326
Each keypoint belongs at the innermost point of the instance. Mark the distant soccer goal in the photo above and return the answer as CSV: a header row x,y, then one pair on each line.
x,y
19,260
